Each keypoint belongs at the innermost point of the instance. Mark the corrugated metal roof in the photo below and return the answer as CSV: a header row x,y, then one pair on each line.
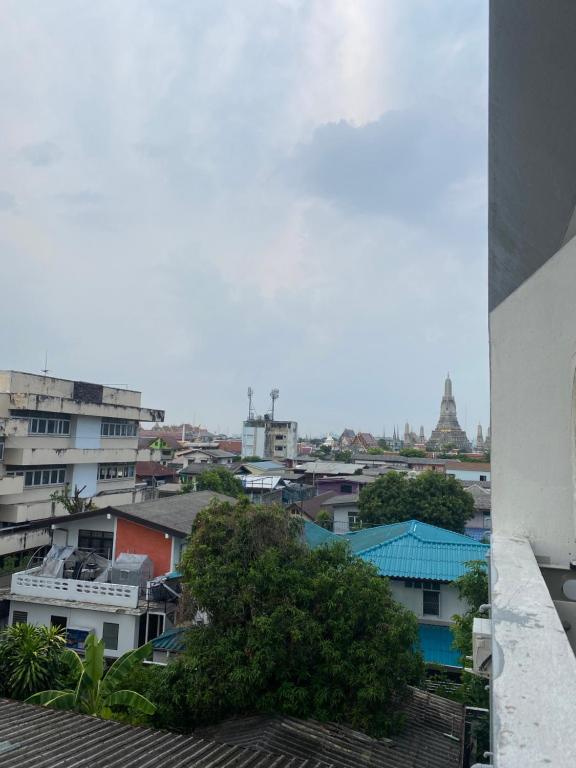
x,y
431,738
171,640
407,550
436,645
37,737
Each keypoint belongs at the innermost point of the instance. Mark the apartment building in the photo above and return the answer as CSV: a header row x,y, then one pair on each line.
x,y
270,439
56,433
532,281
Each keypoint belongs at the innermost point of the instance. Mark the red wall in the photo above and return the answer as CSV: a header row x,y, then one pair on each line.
x,y
139,540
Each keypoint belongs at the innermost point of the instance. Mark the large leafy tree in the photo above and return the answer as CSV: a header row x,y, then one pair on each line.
x,y
99,692
31,658
307,633
432,497
220,480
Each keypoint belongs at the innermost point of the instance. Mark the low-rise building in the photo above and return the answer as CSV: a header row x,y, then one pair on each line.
x,y
269,438
422,562
470,471
56,433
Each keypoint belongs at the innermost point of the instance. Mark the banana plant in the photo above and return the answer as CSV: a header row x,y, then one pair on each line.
x,y
98,692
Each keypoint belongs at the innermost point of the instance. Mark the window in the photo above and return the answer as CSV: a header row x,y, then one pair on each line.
x,y
44,476
96,541
110,635
49,425
58,621
431,602
345,487
155,625
115,471
483,477
19,617
118,428
1,449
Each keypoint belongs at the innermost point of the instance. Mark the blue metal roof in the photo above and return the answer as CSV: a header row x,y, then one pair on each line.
x,y
407,550
436,645
171,640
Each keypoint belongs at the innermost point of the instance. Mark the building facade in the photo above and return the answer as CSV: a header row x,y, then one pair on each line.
x,y
56,433
270,439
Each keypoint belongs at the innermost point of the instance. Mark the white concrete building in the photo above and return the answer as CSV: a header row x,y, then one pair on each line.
x,y
270,439
55,432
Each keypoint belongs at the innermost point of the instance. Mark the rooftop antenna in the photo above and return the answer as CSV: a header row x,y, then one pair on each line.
x,y
250,406
275,394
45,370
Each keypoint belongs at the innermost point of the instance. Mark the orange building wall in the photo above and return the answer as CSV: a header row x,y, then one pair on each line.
x,y
139,540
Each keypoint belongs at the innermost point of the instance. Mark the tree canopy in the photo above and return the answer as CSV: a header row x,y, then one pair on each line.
x,y
220,480
431,497
306,633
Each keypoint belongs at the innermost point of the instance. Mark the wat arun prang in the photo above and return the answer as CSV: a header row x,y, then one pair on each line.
x,y
448,433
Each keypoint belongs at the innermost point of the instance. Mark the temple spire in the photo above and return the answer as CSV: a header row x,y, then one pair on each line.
x,y
448,386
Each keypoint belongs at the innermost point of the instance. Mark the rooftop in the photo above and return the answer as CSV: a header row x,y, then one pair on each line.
x,y
432,737
411,549
37,737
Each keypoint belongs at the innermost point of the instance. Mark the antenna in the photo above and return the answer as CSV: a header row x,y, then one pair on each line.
x,y
274,395
250,408
45,370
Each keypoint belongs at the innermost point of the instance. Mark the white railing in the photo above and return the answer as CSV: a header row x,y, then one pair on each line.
x,y
28,583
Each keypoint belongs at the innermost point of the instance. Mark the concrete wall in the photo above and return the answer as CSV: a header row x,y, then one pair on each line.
x,y
470,474
85,619
450,603
533,360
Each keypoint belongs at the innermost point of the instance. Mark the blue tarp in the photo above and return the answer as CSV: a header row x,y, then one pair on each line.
x,y
436,645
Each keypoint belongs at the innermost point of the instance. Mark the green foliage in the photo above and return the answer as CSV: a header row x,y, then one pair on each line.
x,y
31,658
345,456
413,453
97,692
324,519
375,450
384,444
251,459
220,480
432,497
306,633
323,451
73,503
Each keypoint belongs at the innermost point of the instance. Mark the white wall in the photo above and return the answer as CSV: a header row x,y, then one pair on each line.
x,y
67,532
86,619
469,474
533,353
450,603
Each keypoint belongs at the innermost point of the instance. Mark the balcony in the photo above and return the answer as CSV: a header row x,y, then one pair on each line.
x,y
10,484
30,457
30,584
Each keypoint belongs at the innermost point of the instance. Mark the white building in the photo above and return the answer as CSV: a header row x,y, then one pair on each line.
x,y
56,432
270,439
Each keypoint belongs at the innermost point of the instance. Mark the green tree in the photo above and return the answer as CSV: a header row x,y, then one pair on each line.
x,y
384,444
324,519
413,453
98,692
251,459
220,480
432,497
375,450
345,456
31,657
306,633
73,503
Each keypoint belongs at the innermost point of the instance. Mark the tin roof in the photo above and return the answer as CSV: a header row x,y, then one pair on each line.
x,y
431,738
37,737
171,640
411,549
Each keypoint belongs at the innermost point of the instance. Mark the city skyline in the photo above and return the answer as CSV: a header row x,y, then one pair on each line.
x,y
217,195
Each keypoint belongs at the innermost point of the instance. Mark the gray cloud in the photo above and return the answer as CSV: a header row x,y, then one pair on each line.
x,y
7,201
400,165
41,154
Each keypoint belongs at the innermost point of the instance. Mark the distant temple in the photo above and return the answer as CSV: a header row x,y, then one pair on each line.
x,y
448,434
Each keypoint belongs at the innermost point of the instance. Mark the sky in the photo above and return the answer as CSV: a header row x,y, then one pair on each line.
x,y
197,196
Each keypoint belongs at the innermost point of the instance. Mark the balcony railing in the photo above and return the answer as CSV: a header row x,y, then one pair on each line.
x,y
29,584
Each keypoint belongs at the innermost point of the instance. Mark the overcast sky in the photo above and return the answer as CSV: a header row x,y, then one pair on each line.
x,y
201,195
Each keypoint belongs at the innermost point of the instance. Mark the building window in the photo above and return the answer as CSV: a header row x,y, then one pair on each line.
x,y
49,425
115,471
483,478
110,635
58,621
1,450
155,626
19,617
345,487
431,602
44,476
100,542
118,428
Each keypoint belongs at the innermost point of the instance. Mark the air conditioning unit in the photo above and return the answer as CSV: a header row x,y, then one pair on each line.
x,y
482,647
